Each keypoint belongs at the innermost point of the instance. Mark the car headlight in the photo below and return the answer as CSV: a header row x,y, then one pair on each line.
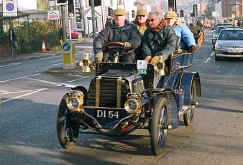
x,y
217,46
74,100
132,105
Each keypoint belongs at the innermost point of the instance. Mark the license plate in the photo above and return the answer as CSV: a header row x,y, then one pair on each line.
x,y
110,114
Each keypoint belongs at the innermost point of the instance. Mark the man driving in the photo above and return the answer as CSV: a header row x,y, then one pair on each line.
x,y
118,31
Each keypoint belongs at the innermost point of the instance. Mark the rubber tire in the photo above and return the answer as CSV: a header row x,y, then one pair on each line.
x,y
158,109
188,115
65,141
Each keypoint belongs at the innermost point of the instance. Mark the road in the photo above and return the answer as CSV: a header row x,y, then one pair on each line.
x,y
29,104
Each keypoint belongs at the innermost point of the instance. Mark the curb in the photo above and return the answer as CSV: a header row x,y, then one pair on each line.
x,y
31,57
76,71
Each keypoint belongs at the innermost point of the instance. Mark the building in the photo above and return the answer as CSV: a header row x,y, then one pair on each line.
x,y
232,8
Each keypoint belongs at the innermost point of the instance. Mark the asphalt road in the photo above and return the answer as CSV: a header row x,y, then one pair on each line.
x,y
29,99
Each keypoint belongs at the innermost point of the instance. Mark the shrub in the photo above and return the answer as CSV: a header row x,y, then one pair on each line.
x,y
30,36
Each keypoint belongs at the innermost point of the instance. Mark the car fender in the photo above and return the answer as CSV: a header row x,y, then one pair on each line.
x,y
186,83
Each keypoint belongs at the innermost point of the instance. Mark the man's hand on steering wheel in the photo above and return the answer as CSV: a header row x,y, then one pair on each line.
x,y
99,56
127,45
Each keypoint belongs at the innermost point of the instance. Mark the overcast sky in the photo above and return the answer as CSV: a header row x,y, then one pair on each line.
x,y
27,4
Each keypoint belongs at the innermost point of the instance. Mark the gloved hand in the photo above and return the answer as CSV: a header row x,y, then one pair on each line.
x,y
157,59
99,56
127,45
192,49
148,58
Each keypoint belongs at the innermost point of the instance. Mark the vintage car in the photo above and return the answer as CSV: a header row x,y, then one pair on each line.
x,y
124,97
229,44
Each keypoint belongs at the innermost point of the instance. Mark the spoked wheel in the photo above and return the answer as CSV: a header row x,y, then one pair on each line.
x,y
159,125
188,116
66,132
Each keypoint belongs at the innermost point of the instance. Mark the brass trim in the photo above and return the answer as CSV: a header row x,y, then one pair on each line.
x,y
118,91
97,85
105,108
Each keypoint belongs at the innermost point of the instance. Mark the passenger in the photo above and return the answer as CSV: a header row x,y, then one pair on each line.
x,y
159,40
187,41
198,33
140,24
140,21
119,31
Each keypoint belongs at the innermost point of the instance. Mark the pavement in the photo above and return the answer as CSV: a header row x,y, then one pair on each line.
x,y
29,56
54,70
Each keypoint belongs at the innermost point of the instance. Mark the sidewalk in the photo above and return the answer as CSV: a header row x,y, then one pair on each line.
x,y
29,56
36,55
54,70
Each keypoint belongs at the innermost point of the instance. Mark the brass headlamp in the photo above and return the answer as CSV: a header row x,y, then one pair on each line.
x,y
86,63
159,66
74,100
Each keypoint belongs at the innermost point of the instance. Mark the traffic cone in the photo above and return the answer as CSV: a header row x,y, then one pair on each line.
x,y
43,50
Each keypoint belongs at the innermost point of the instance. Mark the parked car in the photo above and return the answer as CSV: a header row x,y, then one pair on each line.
x,y
229,44
221,24
74,34
216,33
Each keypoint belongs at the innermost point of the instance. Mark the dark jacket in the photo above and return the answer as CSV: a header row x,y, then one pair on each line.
x,y
160,42
141,31
112,33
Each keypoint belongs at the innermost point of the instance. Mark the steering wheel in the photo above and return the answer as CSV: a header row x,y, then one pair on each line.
x,y
113,45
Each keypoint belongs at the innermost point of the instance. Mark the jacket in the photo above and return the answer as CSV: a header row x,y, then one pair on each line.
x,y
161,41
186,36
141,31
113,33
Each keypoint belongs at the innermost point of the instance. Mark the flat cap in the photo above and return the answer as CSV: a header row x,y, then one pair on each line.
x,y
141,12
170,15
119,12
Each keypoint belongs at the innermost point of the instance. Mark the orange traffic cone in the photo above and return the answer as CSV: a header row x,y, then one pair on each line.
x,y
43,50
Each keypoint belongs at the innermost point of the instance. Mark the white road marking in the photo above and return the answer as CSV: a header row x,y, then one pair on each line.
x,y
57,64
44,81
208,59
27,94
6,92
66,85
1,91
11,64
78,79
22,77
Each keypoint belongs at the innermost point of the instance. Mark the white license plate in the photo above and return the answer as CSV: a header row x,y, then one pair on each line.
x,y
111,114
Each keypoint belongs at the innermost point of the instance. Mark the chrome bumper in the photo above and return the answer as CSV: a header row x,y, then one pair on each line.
x,y
229,55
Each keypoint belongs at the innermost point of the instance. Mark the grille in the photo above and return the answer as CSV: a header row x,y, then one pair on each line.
x,y
107,93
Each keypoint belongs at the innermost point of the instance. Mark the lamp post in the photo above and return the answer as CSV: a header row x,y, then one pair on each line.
x,y
93,15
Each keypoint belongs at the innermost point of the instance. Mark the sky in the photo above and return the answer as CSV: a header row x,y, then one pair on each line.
x,y
27,4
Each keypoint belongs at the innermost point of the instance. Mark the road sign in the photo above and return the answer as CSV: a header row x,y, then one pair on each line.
x,y
66,46
53,15
52,3
10,8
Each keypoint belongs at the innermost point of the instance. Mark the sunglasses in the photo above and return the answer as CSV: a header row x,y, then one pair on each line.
x,y
150,20
141,16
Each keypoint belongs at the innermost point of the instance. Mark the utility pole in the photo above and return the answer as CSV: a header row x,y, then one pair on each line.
x,y
93,16
63,22
82,14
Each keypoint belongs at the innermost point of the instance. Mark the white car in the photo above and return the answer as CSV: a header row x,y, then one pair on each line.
x,y
229,44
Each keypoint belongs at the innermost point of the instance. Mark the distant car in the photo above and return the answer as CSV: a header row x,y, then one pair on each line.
x,y
216,33
221,24
74,34
229,44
